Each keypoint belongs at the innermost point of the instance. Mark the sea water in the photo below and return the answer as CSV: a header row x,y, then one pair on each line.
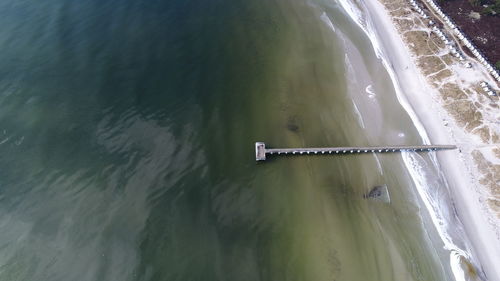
x,y
127,132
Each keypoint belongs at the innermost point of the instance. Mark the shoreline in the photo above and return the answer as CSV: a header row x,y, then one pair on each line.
x,y
480,225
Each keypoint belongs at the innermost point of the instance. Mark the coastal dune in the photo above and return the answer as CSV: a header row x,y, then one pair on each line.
x,y
420,99
127,146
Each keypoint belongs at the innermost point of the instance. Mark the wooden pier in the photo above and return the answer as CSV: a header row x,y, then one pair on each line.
x,y
261,151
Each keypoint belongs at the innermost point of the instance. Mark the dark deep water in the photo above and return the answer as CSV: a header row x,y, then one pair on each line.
x,y
127,131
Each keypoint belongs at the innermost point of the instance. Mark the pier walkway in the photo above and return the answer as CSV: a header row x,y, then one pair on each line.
x,y
261,151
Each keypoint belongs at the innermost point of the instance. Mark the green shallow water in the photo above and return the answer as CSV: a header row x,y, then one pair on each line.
x,y
127,133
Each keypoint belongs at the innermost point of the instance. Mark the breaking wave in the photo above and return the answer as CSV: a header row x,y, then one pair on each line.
x,y
417,168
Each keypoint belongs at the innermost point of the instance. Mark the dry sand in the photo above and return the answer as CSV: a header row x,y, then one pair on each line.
x,y
446,97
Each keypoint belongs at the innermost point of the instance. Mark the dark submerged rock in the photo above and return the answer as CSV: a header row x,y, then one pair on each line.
x,y
379,193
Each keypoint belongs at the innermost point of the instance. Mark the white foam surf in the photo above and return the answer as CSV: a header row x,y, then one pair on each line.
x,y
369,90
415,168
324,17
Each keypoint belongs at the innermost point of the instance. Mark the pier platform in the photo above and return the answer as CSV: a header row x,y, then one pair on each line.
x,y
261,151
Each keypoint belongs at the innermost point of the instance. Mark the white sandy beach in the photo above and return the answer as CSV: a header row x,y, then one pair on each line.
x,y
418,97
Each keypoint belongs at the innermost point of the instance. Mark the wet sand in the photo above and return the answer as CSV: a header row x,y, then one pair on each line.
x,y
482,236
128,149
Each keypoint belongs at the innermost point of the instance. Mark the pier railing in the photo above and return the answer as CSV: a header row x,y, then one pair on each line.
x,y
261,151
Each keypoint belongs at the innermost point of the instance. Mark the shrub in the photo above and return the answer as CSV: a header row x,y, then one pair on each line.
x,y
493,9
475,3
